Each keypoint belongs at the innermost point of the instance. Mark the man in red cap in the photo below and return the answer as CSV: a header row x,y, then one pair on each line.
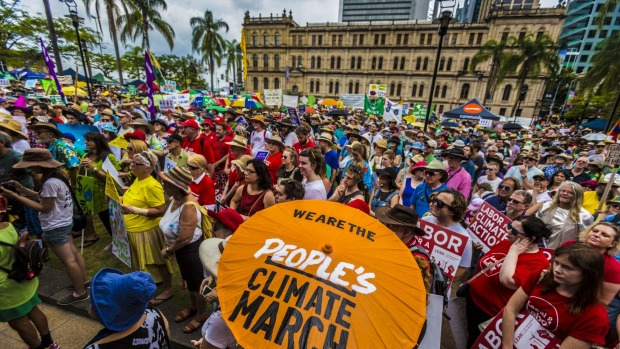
x,y
221,152
195,143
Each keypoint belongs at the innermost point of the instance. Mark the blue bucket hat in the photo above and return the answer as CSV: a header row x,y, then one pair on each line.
x,y
120,299
109,128
418,145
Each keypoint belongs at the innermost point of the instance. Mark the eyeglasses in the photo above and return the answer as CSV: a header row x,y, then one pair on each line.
x,y
514,231
616,206
490,169
504,187
105,120
440,204
514,201
430,173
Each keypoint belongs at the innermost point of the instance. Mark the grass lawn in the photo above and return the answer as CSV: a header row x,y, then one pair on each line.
x,y
97,259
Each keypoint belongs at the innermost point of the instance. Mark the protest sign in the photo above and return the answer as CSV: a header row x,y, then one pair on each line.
x,y
292,112
110,188
489,226
169,87
120,142
273,97
445,246
78,131
261,155
56,99
84,193
432,336
5,82
290,101
120,242
132,90
169,164
111,170
528,334
30,83
377,90
171,101
302,110
485,122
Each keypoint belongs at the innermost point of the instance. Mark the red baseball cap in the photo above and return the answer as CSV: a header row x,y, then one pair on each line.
x,y
207,122
229,217
137,134
191,123
219,120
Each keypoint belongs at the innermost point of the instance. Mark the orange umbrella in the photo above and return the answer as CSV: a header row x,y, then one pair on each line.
x,y
330,102
320,274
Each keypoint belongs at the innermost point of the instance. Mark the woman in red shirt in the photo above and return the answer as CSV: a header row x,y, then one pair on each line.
x,y
274,159
201,185
565,301
509,264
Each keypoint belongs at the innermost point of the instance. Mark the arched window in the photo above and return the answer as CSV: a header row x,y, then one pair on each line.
x,y
255,60
265,83
398,89
276,83
255,83
318,62
425,63
266,39
402,63
294,62
442,62
312,62
418,63
414,90
331,87
392,88
466,64
338,60
337,88
436,91
318,86
449,65
421,92
300,62
266,60
312,86
352,62
380,63
295,88
374,63
276,61
465,91
332,64
395,65
444,91
506,94
359,62
357,87
351,87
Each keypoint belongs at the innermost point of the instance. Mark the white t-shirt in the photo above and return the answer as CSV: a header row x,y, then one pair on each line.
x,y
459,229
258,140
169,224
290,139
494,183
61,214
20,146
314,190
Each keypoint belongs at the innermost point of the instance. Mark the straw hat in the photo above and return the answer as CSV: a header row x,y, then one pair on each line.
x,y
275,139
210,252
178,176
238,141
37,157
327,137
382,143
242,162
108,112
142,123
13,127
46,126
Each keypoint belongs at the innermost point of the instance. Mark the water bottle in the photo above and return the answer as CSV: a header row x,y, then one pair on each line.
x,y
174,229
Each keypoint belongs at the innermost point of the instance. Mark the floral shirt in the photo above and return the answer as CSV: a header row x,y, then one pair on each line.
x,y
63,152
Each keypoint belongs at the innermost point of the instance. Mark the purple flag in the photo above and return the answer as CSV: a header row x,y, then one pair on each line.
x,y
150,80
52,69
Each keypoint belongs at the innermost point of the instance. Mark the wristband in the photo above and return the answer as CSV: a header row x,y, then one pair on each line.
x,y
140,211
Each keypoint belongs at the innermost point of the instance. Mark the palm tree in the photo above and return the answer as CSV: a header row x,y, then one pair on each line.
x,y
531,56
604,75
113,10
608,7
233,58
207,40
144,16
494,51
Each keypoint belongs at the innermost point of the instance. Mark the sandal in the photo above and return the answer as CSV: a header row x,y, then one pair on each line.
x,y
195,324
184,314
157,300
90,242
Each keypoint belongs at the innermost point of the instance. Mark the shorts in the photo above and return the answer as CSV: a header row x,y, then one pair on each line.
x,y
57,236
190,266
217,333
21,311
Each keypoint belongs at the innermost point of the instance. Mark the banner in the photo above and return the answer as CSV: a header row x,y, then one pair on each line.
x,y
169,87
150,80
84,193
169,164
120,243
290,101
171,101
352,101
113,174
529,333
392,111
65,79
489,226
377,90
5,82
56,99
159,76
444,245
52,69
273,97
245,56
373,106
78,131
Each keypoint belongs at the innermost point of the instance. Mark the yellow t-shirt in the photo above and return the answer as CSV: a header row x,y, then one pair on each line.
x,y
591,202
146,193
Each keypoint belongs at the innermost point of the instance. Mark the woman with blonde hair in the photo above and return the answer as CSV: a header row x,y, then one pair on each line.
x,y
201,186
289,169
135,146
565,215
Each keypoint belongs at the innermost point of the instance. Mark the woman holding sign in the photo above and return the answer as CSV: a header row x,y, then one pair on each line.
x,y
564,301
503,269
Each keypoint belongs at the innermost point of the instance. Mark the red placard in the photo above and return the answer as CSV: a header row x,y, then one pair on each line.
x,y
445,246
489,226
529,333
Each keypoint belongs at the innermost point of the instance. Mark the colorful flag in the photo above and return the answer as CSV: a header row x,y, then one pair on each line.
x,y
52,69
245,58
375,107
392,111
159,76
615,131
150,80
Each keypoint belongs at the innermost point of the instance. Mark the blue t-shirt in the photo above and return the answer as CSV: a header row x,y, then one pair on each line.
x,y
331,159
408,192
497,203
421,196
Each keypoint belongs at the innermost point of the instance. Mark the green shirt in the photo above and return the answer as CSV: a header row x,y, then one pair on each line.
x,y
12,293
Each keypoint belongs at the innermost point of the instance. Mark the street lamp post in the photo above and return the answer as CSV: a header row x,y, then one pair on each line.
x,y
72,6
444,21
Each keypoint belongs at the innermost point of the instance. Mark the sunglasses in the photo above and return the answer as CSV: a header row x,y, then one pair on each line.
x,y
192,167
430,173
514,201
514,231
440,204
504,187
615,205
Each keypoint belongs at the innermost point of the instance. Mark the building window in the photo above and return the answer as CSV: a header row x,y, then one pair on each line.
x,y
352,62
429,39
392,88
332,63
359,62
479,39
380,63
294,62
294,40
414,90
465,91
265,83
523,93
276,61
265,40
437,91
583,58
301,40
506,94
318,86
440,108
254,40
444,91
395,65
592,34
602,34
466,64
354,39
351,87
504,36
337,88
502,111
320,40
313,40
425,63
579,70
374,63
255,83
539,34
406,39
398,89
338,60
449,65
331,87
277,40
422,36
418,63
442,62
472,37
382,39
398,38
266,60
311,86
587,47
312,62
376,39
454,37
334,38
340,40
300,63
521,35
421,92
255,60
361,39
357,87
276,83
318,62
402,63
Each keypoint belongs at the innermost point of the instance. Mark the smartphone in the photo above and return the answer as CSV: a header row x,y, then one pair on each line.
x,y
206,290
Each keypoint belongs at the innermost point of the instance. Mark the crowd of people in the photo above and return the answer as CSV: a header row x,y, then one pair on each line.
x,y
548,179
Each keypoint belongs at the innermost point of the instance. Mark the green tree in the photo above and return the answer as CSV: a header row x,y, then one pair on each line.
x,y
113,11
144,16
496,52
104,62
604,75
207,40
528,58
186,71
589,106
233,58
133,61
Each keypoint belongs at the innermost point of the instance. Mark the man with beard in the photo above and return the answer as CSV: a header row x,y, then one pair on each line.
x,y
48,135
303,135
518,203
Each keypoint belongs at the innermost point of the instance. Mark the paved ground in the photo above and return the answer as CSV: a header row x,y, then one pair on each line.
x,y
68,329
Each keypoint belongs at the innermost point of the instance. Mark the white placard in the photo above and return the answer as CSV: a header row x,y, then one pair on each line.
x,y
108,167
174,100
169,164
613,155
273,97
485,122
290,101
30,83
376,90
434,309
169,87
5,82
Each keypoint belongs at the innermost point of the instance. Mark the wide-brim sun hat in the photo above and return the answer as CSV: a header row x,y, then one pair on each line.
x,y
326,137
120,299
178,176
37,157
275,139
142,123
13,127
436,165
382,143
399,215
238,141
45,126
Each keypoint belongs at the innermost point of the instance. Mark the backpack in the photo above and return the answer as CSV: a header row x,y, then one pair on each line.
x,y
206,222
30,256
439,283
